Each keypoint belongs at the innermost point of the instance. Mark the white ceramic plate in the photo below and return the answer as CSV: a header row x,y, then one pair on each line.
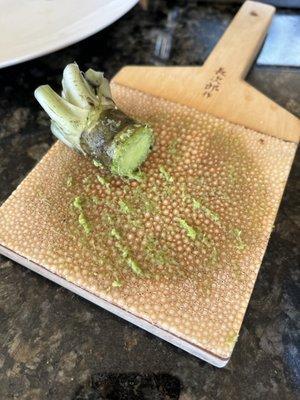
x,y
31,28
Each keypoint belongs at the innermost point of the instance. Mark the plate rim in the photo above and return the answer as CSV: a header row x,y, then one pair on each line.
x,y
123,8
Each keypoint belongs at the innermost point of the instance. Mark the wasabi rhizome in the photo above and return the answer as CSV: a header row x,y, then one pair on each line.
x,y
86,119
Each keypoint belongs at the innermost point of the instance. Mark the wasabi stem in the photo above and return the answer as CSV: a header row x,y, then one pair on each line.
x,y
86,119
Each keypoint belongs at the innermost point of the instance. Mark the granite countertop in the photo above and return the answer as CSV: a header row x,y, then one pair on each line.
x,y
55,345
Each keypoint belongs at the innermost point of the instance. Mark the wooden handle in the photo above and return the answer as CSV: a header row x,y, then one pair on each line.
x,y
238,47
218,87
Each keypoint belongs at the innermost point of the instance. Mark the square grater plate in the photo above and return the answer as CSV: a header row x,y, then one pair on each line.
x,y
197,225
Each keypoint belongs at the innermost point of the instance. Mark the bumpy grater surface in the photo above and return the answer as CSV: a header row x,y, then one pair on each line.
x,y
182,248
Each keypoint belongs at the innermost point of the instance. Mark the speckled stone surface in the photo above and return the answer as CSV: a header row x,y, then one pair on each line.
x,y
53,344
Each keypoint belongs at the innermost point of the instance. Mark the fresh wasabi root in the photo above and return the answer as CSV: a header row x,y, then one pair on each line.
x,y
87,120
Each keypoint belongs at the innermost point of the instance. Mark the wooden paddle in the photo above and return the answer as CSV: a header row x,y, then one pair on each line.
x,y
218,87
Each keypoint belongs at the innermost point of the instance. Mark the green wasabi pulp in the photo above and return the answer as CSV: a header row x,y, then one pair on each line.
x,y
124,207
78,203
189,230
70,181
83,221
125,252
240,245
165,174
102,181
116,283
